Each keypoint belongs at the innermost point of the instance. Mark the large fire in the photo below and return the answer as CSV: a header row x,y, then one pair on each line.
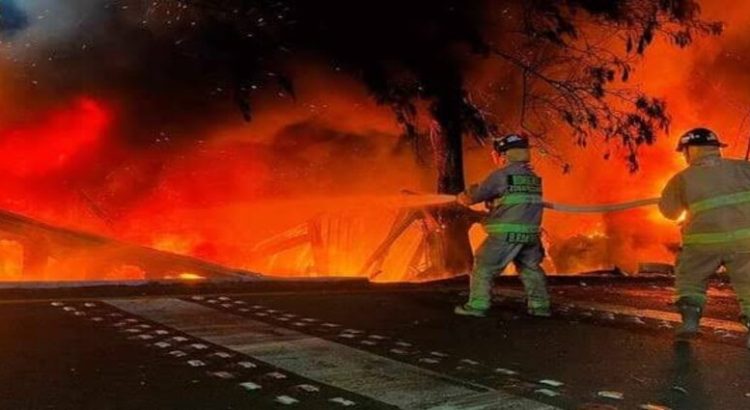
x,y
321,173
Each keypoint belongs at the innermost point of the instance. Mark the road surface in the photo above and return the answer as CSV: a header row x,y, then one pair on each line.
x,y
609,346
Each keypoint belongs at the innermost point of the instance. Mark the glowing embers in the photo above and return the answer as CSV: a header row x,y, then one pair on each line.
x,y
189,276
373,241
131,272
11,260
329,244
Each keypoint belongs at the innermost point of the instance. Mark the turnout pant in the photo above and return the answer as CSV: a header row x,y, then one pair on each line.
x,y
493,256
695,265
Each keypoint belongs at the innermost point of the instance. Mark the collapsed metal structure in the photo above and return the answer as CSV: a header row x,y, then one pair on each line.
x,y
424,260
42,241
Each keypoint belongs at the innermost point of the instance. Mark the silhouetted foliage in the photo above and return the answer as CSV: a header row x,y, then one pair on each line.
x,y
572,56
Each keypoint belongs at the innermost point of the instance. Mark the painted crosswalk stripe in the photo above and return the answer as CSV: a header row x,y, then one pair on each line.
x,y
382,379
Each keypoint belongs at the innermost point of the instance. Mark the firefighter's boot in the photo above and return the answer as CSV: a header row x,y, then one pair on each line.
x,y
467,310
539,311
691,317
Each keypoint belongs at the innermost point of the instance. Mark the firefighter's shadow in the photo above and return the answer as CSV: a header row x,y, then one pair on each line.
x,y
684,384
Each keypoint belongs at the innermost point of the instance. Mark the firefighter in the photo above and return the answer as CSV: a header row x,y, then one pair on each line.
x,y
513,195
715,194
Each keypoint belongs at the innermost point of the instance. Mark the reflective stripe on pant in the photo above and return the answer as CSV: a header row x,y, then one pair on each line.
x,y
696,265
494,256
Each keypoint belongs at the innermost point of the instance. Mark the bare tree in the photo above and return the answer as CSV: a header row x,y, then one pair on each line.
x,y
575,69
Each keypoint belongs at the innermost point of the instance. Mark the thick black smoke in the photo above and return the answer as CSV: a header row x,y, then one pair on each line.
x,y
164,95
176,65
173,73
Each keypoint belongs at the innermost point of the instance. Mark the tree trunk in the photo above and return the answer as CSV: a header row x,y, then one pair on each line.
x,y
454,220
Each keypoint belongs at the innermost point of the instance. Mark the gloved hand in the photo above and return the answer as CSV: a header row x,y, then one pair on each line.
x,y
463,199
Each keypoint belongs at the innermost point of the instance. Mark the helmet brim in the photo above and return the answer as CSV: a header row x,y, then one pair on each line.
x,y
682,147
517,145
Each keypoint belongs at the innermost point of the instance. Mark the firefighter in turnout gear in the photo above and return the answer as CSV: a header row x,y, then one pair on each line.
x,y
513,195
715,193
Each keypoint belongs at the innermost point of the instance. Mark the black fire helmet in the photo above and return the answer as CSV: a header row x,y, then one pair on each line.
x,y
510,141
699,137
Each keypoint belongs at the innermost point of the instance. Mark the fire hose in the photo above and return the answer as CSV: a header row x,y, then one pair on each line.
x,y
604,208
426,200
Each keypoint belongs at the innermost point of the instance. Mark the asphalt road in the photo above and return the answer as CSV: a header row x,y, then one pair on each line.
x,y
366,347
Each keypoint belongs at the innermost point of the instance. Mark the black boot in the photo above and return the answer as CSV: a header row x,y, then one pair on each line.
x,y
691,317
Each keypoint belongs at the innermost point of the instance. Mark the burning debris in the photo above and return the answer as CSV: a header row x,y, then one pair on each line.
x,y
31,249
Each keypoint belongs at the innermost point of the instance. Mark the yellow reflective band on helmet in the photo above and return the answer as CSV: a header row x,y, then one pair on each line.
x,y
501,228
714,238
720,201
517,199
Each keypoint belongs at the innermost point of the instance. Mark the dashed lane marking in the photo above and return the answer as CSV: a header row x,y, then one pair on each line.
x,y
353,370
461,368
263,381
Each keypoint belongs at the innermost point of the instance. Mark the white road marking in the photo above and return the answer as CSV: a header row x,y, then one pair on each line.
x,y
547,392
250,386
276,375
223,355
342,401
308,388
550,382
326,362
223,375
614,395
653,407
470,362
286,400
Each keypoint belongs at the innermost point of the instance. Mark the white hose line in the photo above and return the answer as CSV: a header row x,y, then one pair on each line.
x,y
426,200
586,209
